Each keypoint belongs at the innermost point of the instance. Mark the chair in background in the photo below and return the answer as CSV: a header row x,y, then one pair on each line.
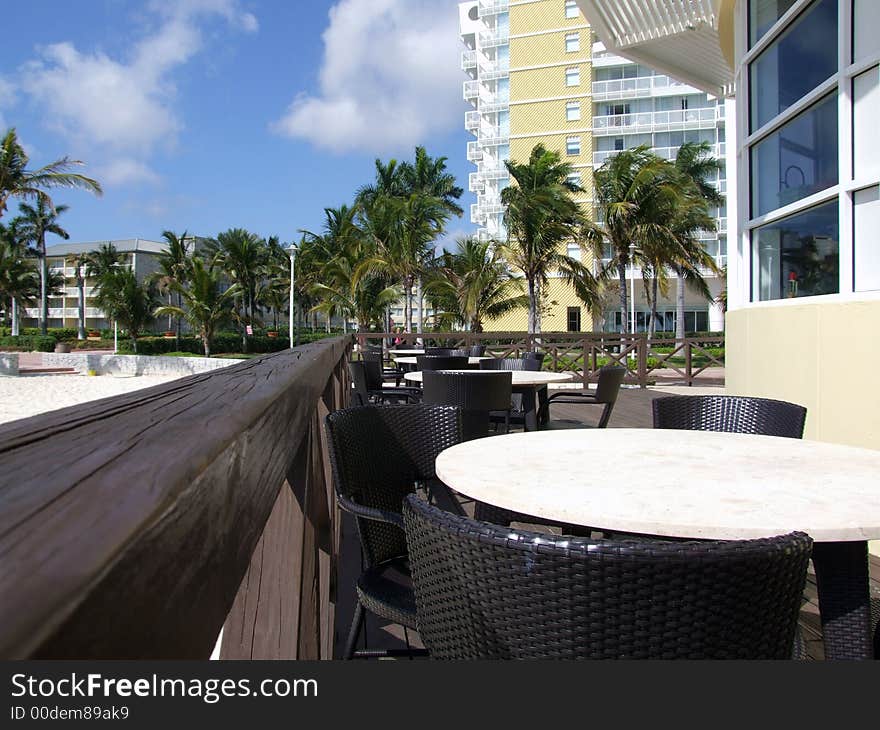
x,y
489,592
438,351
731,414
441,362
368,389
610,378
510,363
477,394
477,350
517,414
378,456
389,374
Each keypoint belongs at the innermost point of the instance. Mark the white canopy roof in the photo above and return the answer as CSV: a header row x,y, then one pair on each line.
x,y
678,37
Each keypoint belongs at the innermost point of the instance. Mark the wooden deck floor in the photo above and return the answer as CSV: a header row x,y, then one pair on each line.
x,y
632,410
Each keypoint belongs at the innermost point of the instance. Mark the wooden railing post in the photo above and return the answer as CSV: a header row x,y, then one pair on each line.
x,y
688,369
642,345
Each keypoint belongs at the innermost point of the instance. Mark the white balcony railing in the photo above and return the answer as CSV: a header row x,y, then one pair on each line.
x,y
471,90
493,104
474,152
494,38
472,121
468,60
64,312
493,136
478,217
493,172
654,121
668,153
492,7
476,183
494,69
642,86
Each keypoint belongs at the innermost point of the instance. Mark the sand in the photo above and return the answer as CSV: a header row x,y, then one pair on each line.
x,y
32,394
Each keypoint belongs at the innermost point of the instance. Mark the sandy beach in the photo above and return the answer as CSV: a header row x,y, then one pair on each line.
x,y
32,394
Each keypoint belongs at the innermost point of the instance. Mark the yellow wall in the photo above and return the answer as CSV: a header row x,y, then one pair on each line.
x,y
547,82
539,116
820,355
541,15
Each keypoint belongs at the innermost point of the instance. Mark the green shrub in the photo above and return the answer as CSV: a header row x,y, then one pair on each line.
x,y
29,343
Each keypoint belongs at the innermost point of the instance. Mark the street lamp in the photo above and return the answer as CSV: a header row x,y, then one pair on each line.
x,y
292,251
632,287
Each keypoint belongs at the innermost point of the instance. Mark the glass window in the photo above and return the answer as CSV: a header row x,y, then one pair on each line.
x,y
571,9
866,112
573,111
572,76
763,14
797,256
574,179
866,20
866,248
573,251
573,145
618,144
797,160
572,42
799,60
574,319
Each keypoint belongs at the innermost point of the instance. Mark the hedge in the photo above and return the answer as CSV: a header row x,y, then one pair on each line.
x,y
29,343
223,342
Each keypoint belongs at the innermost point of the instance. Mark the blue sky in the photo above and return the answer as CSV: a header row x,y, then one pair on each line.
x,y
209,114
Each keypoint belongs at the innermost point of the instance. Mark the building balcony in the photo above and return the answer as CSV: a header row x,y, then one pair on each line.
x,y
493,105
468,60
490,204
471,90
494,69
487,8
478,216
493,172
476,184
647,122
474,152
472,121
64,312
667,153
494,38
639,87
493,136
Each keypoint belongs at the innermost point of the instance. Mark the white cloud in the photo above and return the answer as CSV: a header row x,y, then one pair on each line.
x,y
390,77
7,99
121,110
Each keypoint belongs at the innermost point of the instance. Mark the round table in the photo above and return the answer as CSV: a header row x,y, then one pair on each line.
x,y
406,353
415,360
525,382
696,484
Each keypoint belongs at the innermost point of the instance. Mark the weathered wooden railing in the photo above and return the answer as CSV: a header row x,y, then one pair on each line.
x,y
693,359
138,526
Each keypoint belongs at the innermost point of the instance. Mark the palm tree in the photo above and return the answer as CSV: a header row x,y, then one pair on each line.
x,y
428,176
241,255
632,189
17,181
472,284
541,216
19,281
126,300
174,264
102,261
205,307
696,164
35,222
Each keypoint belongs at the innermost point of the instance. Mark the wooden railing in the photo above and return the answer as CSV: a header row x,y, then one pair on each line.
x,y
688,361
138,526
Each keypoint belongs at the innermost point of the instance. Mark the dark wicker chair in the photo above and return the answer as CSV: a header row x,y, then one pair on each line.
x,y
731,414
531,364
378,456
510,363
477,394
610,378
389,374
477,350
487,592
367,380
438,351
442,362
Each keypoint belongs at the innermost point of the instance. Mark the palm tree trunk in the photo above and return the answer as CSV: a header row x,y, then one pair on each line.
x,y
407,306
652,326
44,295
14,317
81,301
679,310
206,342
534,326
177,324
621,275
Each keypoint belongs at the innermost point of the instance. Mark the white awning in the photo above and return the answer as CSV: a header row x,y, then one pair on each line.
x,y
677,37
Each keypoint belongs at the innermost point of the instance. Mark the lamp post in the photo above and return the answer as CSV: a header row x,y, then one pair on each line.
x,y
632,292
292,251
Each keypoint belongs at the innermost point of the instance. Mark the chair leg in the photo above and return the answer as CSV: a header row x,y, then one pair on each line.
x,y
355,630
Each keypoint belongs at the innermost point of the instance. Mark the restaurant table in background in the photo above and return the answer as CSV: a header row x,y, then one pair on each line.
x,y
406,353
415,360
701,485
525,382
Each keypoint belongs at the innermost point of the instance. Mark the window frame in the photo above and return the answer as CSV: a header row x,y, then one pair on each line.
x,y
573,71
574,36
573,139
572,106
571,5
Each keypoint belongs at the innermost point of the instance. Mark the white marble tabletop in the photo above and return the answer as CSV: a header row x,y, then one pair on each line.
x,y
675,483
520,377
415,360
395,353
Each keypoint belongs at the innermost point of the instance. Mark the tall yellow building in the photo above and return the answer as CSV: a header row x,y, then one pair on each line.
x,y
536,77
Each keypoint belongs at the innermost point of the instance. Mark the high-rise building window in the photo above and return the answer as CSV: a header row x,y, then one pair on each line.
x,y
574,319
572,42
571,9
574,179
572,76
573,145
573,111
618,144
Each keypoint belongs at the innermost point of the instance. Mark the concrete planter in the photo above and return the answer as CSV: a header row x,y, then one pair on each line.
x,y
62,347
